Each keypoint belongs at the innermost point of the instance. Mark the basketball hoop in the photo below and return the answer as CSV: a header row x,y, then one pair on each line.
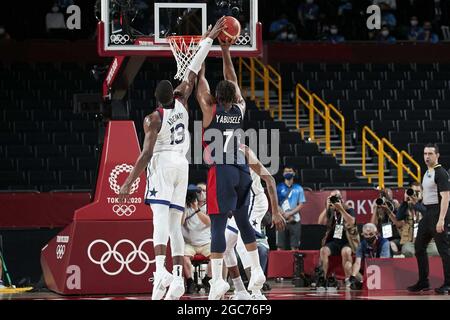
x,y
184,49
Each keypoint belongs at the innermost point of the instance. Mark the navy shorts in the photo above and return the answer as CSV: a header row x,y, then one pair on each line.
x,y
228,188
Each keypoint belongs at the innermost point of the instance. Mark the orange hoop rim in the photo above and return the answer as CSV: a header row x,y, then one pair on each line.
x,y
180,38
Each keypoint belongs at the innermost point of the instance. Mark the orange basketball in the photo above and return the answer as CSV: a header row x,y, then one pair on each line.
x,y
232,30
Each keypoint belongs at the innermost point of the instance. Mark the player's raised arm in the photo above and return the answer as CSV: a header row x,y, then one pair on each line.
x,y
228,69
260,170
184,90
152,125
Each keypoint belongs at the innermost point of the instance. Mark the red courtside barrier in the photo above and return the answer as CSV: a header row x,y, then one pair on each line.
x,y
108,248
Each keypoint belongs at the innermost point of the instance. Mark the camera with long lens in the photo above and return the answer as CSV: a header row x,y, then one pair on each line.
x,y
382,201
411,192
335,199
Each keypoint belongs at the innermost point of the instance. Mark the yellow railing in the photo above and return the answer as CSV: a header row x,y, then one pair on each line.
x,y
308,100
269,76
396,158
417,176
378,151
396,162
341,127
302,96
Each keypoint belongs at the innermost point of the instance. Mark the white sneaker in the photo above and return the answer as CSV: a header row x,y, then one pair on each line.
x,y
241,295
161,280
258,296
176,289
257,280
218,289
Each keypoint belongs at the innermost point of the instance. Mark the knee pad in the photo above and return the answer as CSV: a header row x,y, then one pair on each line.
x,y
160,224
176,235
229,257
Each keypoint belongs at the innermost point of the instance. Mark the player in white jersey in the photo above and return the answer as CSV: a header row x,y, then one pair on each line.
x,y
257,209
164,151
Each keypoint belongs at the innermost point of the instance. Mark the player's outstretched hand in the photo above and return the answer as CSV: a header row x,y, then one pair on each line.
x,y
218,28
225,45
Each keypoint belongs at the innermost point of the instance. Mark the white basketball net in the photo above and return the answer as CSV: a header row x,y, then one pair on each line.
x,y
184,49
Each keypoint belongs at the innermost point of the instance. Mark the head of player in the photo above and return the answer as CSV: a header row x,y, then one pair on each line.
x,y
164,94
226,93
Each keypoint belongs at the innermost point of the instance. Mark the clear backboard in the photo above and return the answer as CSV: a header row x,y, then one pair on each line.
x,y
141,27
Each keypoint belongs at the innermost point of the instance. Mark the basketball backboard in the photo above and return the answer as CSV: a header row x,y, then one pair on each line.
x,y
140,27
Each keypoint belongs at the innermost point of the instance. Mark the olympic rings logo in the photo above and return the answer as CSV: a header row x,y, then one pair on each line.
x,y
60,249
124,261
242,40
123,209
116,172
119,38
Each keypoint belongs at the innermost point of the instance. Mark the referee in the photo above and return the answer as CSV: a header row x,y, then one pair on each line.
x,y
435,222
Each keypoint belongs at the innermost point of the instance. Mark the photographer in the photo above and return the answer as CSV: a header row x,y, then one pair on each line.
x,y
409,214
384,217
291,199
373,245
341,236
196,234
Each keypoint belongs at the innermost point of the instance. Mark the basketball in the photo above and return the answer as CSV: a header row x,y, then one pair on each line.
x,y
232,30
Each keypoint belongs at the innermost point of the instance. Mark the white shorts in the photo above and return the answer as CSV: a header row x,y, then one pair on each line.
x,y
167,180
257,210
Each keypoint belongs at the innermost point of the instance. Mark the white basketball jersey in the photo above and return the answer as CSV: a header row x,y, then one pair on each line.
x,y
174,133
257,187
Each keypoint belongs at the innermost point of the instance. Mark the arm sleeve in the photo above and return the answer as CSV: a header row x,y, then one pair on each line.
x,y
301,195
351,212
196,63
385,250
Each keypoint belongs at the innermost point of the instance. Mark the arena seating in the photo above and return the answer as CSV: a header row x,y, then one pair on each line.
x,y
45,146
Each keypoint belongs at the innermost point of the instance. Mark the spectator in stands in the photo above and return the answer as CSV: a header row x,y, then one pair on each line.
x,y
341,237
308,15
409,214
3,34
427,34
201,196
415,29
54,22
373,245
384,212
387,16
197,236
384,36
392,4
282,29
334,36
291,199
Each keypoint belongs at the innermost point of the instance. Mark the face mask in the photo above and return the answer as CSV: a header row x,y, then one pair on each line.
x,y
333,31
384,33
414,23
288,176
371,240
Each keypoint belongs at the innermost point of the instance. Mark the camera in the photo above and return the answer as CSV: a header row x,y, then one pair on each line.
x,y
335,199
379,201
382,201
411,193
